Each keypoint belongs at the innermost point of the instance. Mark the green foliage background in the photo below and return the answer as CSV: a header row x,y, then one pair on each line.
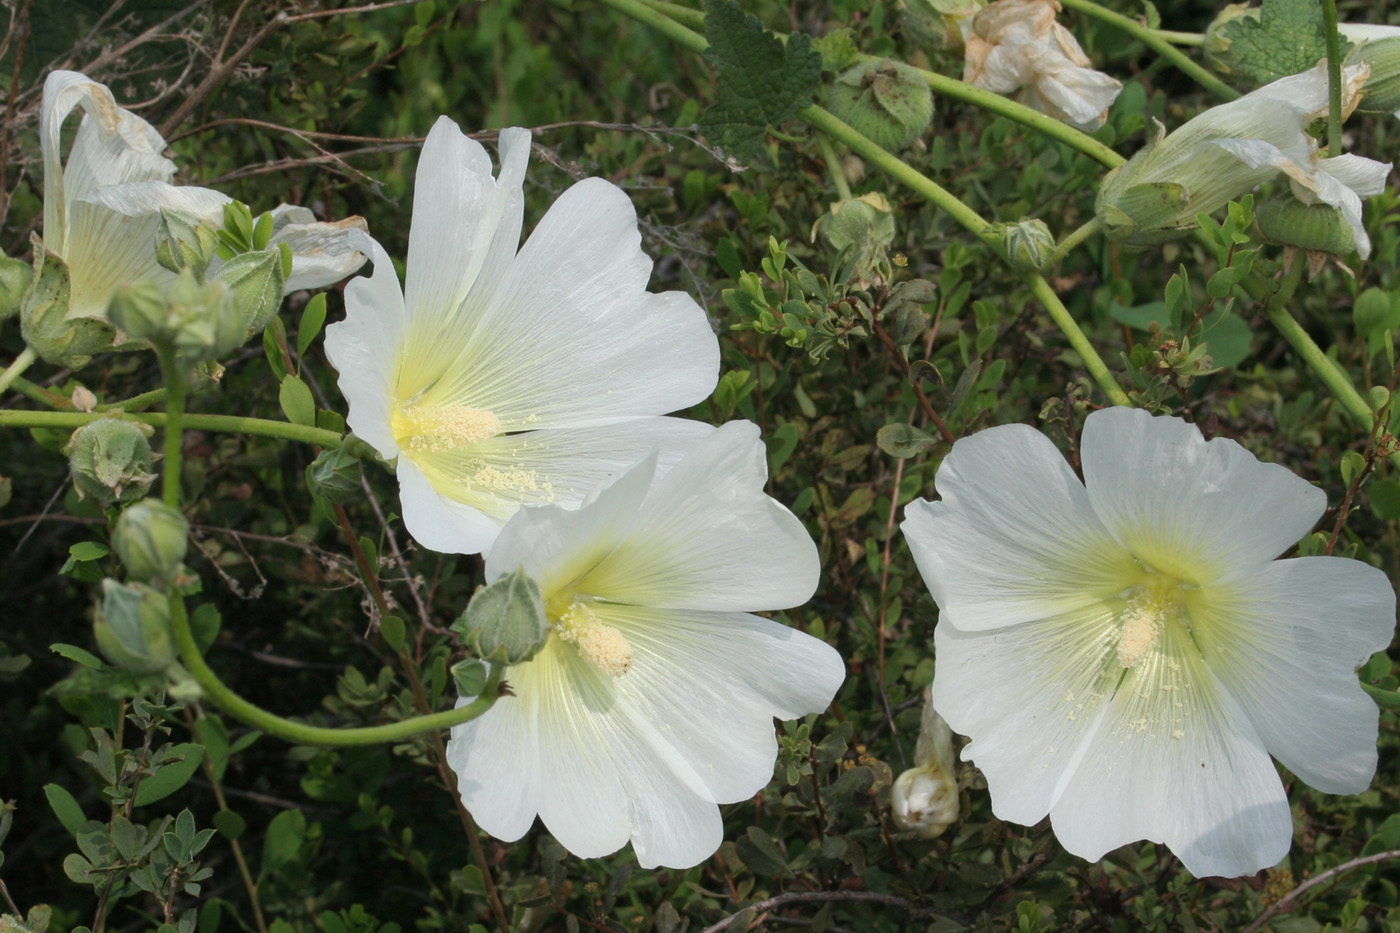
x,y
328,111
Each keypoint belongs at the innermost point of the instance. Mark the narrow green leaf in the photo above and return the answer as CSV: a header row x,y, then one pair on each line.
x,y
297,403
65,807
311,320
171,777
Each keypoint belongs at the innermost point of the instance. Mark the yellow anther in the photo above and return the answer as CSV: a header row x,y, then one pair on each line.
x,y
597,642
433,427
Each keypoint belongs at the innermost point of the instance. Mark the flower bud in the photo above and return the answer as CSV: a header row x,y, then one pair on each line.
x,y
924,799
1029,244
505,620
133,628
110,460
255,283
150,539
865,225
334,475
183,241
140,311
939,22
202,322
1313,227
1378,47
886,101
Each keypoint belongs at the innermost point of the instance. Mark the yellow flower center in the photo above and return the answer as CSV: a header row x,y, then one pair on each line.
x,y
598,643
1152,605
429,428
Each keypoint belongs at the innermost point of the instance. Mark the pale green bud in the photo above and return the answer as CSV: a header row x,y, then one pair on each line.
x,y
1029,244
1318,228
864,224
255,282
44,321
505,620
184,241
110,460
202,322
334,475
140,310
133,628
885,101
1378,47
150,539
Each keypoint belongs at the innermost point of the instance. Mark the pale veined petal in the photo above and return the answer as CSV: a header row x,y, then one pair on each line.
x,y
1366,177
321,250
1013,538
708,537
1175,760
494,759
112,238
1310,621
497,475
572,337
113,146
558,546
437,522
1054,678
710,684
464,233
1192,508
364,348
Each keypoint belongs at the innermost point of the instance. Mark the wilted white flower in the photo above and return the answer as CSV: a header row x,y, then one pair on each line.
x,y
652,701
924,799
1230,150
1016,44
102,208
1126,653
500,378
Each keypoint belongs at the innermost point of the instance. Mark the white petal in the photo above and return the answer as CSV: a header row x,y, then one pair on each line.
x,y
494,759
571,337
365,347
1014,537
1366,177
113,146
1175,760
495,477
1081,96
709,537
1286,642
1030,696
710,684
465,229
321,251
112,238
1193,508
437,522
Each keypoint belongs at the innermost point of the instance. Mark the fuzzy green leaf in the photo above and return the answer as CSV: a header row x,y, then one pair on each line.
x,y
762,82
1285,39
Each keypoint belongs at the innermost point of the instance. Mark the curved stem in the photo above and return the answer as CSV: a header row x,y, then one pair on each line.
x,y
833,166
16,369
218,692
1153,39
227,424
1074,238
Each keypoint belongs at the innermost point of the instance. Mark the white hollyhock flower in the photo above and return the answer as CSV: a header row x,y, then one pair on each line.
x,y
653,699
501,378
1017,44
1126,653
102,208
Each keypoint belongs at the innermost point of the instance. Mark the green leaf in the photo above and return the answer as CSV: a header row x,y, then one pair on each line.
x,y
65,807
229,824
904,440
74,653
762,82
311,320
171,777
391,627
282,844
297,403
1385,498
1228,337
1287,37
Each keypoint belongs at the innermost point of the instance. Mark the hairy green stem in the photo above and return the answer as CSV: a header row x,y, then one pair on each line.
x,y
1181,38
225,424
833,166
216,691
1073,239
1334,77
174,374
136,402
40,394
16,369
1153,39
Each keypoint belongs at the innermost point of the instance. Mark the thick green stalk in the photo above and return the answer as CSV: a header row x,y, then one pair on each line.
x,y
174,375
1074,238
16,369
1155,41
227,424
216,691
1334,78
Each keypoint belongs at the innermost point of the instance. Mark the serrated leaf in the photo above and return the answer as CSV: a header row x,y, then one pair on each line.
x,y
1286,38
762,82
